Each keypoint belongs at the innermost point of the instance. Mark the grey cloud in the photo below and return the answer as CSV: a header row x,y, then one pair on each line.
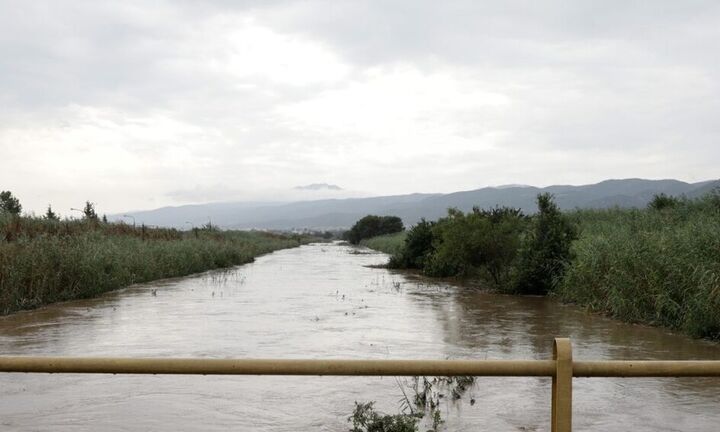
x,y
635,80
497,33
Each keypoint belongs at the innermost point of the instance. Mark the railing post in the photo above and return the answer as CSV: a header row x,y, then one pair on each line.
x,y
562,386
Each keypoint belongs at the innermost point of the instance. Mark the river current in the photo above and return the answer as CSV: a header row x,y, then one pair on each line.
x,y
327,301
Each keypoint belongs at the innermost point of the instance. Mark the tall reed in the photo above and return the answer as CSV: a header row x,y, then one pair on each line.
x,y
388,243
48,261
654,266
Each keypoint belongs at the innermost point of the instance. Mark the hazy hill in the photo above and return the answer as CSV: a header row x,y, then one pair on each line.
x,y
319,186
327,213
341,213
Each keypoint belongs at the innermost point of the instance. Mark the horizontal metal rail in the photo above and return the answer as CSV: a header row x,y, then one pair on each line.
x,y
645,368
562,369
278,367
508,368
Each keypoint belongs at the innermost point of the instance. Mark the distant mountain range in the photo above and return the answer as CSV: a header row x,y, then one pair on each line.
x,y
342,213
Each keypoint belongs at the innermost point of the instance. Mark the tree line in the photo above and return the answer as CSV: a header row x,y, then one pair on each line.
x,y
10,205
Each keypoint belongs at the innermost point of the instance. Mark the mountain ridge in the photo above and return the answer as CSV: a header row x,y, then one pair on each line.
x,y
340,213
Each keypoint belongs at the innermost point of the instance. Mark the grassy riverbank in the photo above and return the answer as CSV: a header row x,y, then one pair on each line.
x,y
389,243
659,265
45,261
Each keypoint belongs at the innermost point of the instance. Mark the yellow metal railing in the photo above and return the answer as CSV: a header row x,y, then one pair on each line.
x,y
562,369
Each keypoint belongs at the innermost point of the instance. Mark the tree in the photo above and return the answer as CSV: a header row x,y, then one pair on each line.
x,y
662,201
50,214
500,245
545,250
483,242
89,211
417,247
371,226
9,204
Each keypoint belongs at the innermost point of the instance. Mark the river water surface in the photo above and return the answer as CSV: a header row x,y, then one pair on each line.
x,y
323,301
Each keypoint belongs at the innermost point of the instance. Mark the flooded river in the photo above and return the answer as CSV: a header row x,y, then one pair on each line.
x,y
323,301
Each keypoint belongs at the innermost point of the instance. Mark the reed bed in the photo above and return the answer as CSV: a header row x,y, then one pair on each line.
x,y
649,266
45,261
388,243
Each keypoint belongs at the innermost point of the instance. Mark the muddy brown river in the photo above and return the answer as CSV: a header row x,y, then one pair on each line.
x,y
323,301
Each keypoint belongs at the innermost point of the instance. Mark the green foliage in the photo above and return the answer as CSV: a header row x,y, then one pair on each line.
x,y
89,211
500,244
417,247
51,215
456,244
661,268
366,419
662,201
659,265
388,243
44,261
423,404
545,250
480,243
9,203
372,226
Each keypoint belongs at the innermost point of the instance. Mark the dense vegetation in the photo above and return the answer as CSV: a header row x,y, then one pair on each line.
x,y
44,260
372,226
388,243
659,265
502,245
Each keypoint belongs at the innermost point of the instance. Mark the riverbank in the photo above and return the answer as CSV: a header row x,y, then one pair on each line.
x,y
43,261
658,266
391,244
324,301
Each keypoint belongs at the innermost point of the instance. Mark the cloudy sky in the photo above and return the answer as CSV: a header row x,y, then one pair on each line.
x,y
140,104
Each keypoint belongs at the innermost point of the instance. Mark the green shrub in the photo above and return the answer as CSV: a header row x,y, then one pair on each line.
x,y
51,215
366,419
372,226
9,204
545,250
662,201
418,245
483,242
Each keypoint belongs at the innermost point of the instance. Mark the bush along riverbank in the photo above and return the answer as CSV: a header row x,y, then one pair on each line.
x,y
389,243
44,260
659,265
373,226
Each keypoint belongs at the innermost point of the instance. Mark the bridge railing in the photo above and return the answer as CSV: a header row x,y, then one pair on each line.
x,y
561,368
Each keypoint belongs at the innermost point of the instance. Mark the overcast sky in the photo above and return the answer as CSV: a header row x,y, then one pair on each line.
x,y
140,104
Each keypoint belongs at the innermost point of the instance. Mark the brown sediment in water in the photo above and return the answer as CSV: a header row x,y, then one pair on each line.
x,y
319,301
